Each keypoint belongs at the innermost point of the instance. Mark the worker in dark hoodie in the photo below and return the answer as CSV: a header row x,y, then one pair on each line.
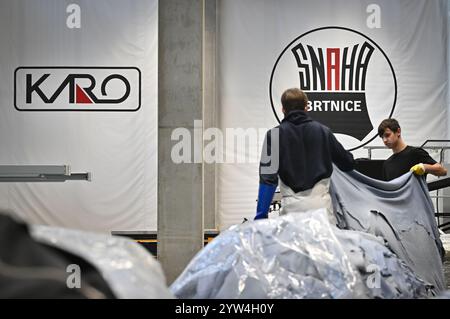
x,y
299,155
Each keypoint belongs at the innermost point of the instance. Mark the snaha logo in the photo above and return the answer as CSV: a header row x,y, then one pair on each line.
x,y
112,89
349,80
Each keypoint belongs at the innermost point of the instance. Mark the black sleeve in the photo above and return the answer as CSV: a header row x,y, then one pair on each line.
x,y
342,158
269,163
422,156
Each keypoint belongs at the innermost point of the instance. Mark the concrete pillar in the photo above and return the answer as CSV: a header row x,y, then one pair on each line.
x,y
180,102
210,110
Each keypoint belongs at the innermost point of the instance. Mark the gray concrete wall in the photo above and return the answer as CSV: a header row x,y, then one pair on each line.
x,y
180,95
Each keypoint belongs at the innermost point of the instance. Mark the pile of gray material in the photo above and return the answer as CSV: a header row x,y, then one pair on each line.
x,y
296,256
128,268
399,211
444,295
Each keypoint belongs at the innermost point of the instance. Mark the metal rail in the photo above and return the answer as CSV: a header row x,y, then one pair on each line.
x,y
40,173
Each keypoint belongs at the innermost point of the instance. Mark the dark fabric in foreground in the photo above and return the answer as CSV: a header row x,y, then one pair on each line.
x,y
29,269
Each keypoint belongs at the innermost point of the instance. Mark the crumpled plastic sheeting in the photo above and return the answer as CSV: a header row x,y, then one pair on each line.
x,y
444,295
294,256
400,211
130,271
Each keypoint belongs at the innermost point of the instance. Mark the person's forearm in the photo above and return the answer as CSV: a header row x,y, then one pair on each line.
x,y
436,169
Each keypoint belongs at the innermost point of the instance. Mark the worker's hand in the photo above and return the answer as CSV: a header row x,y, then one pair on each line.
x,y
418,169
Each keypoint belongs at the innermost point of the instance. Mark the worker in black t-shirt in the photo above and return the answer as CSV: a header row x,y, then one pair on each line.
x,y
405,158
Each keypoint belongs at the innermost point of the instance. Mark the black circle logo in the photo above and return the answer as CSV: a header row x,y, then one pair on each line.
x,y
350,82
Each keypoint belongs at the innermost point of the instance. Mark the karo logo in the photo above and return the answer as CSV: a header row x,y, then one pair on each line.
x,y
112,89
349,80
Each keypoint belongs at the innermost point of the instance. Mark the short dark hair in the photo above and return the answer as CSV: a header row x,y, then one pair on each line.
x,y
391,124
294,99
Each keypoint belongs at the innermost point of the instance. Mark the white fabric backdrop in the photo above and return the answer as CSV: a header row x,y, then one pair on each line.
x,y
119,148
253,33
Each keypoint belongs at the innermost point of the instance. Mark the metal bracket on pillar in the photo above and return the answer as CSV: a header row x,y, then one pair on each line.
x,y
40,173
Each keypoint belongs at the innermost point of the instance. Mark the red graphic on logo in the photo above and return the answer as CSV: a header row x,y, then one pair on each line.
x,y
82,98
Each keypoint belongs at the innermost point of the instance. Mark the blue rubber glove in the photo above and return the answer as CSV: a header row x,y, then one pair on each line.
x,y
265,196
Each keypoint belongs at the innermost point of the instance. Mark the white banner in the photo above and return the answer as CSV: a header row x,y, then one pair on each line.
x,y
359,61
78,87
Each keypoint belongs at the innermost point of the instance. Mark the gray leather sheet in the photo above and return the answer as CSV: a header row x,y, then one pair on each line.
x,y
400,211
